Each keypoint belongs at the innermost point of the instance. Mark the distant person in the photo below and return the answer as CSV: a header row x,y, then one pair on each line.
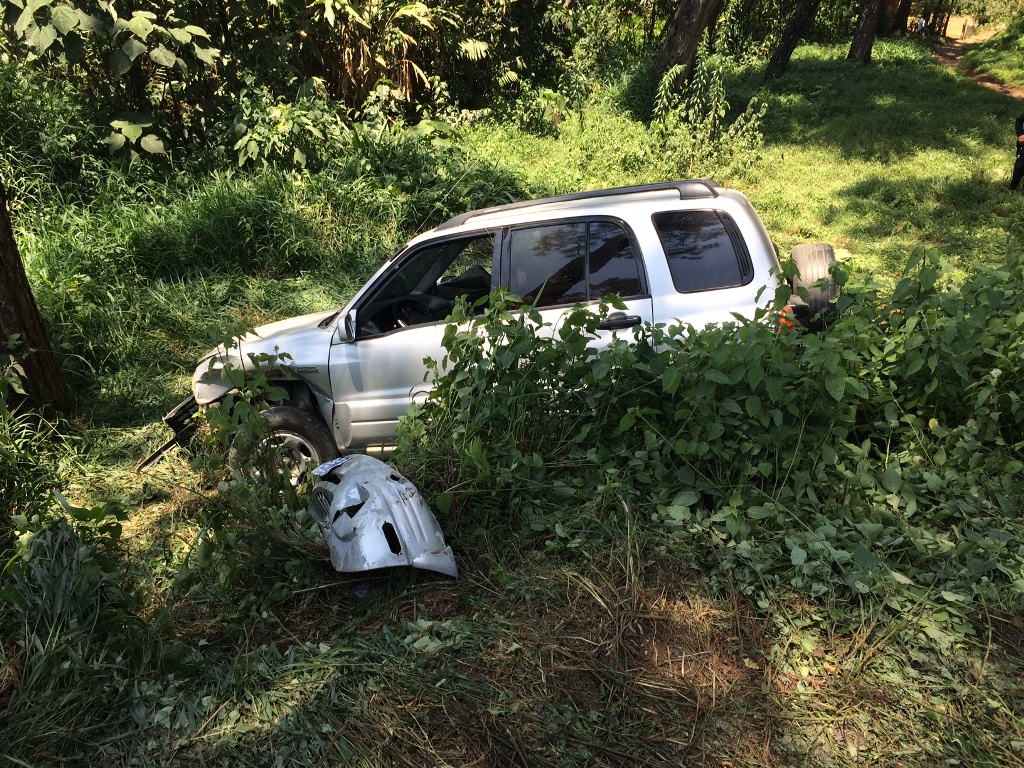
x,y
922,25
1018,167
963,31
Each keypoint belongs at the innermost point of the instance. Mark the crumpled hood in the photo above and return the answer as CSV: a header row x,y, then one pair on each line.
x,y
301,337
305,339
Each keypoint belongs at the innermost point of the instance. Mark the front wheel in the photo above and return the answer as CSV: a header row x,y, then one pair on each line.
x,y
296,439
813,260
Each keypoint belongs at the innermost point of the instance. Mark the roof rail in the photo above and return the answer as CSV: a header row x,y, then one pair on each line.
x,y
688,189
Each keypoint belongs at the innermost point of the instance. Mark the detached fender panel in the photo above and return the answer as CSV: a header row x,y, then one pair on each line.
x,y
372,517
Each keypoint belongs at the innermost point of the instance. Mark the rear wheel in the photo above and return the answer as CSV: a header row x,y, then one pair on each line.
x,y
297,440
813,261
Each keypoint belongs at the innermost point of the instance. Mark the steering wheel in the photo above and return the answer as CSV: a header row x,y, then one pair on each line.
x,y
416,308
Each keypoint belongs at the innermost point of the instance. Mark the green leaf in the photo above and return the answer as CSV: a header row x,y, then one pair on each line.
x,y
91,24
180,35
754,376
152,144
114,141
119,63
891,479
686,499
670,379
474,50
206,55
140,25
162,57
863,557
25,20
797,555
835,385
626,422
130,130
133,48
43,39
444,501
74,48
828,454
64,18
717,376
774,387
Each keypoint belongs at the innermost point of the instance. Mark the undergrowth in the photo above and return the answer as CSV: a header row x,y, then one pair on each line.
x,y
879,461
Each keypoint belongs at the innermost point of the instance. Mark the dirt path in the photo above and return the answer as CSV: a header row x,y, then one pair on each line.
x,y
952,50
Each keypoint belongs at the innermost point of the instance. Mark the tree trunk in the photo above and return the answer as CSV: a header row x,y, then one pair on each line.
x,y
795,29
20,315
692,17
867,29
900,18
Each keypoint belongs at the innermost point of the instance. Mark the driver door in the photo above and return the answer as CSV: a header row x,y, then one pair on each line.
x,y
401,322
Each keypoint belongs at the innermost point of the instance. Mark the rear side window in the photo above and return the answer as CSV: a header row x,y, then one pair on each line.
x,y
704,250
573,262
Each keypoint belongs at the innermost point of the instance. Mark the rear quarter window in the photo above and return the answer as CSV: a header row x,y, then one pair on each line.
x,y
704,249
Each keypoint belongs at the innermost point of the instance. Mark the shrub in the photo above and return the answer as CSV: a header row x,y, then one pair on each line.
x,y
691,137
881,459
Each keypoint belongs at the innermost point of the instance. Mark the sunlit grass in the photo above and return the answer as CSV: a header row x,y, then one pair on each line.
x,y
1002,56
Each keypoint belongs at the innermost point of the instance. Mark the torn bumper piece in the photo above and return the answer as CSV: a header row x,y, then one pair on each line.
x,y
182,420
372,517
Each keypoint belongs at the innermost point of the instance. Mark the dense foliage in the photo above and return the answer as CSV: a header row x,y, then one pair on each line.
x,y
283,84
882,457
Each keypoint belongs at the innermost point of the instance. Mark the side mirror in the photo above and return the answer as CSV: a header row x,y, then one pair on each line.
x,y
348,330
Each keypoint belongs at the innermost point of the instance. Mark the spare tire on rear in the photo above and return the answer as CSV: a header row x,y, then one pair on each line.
x,y
813,261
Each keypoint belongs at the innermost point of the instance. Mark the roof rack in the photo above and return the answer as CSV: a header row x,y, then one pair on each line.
x,y
688,190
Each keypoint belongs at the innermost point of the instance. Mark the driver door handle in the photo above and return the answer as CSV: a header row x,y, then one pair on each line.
x,y
617,321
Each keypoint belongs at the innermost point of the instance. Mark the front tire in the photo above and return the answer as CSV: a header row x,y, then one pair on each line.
x,y
300,439
813,260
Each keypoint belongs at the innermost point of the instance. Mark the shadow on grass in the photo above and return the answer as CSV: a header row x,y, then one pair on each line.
x,y
888,111
973,220
565,661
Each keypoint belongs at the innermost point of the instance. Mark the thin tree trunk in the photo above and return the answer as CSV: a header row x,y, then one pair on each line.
x,y
900,18
867,29
19,315
692,17
795,29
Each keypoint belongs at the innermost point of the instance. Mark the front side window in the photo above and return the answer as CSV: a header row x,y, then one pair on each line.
x,y
423,287
701,251
573,262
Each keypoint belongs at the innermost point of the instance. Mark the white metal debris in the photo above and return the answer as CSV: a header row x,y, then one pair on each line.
x,y
372,517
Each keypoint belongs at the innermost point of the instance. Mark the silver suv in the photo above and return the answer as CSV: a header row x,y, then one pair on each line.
x,y
688,252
